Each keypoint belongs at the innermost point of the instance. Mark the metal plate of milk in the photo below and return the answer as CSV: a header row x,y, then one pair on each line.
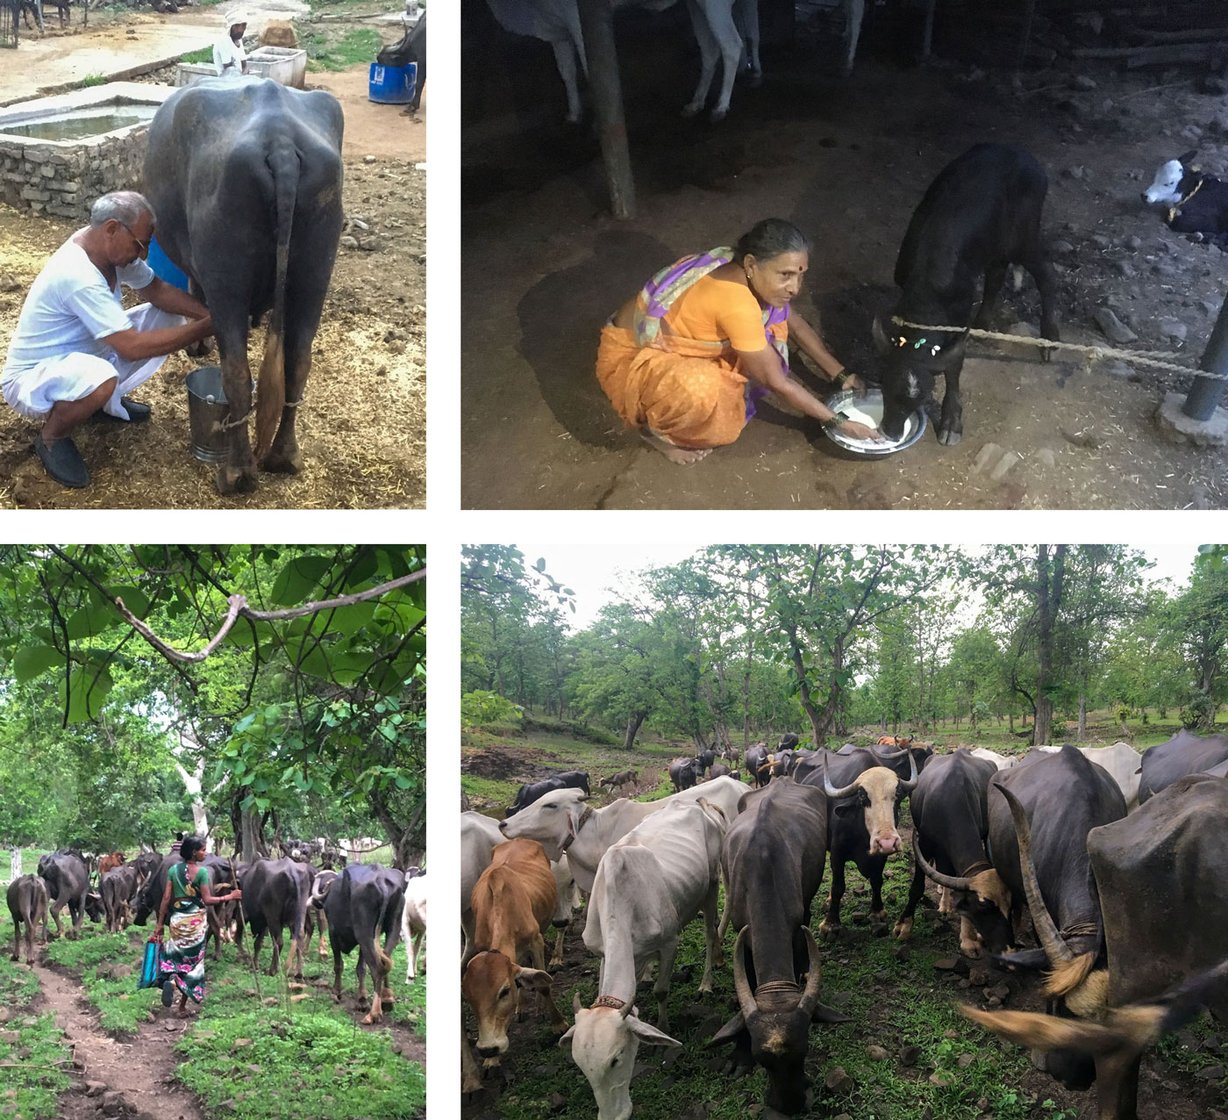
x,y
867,407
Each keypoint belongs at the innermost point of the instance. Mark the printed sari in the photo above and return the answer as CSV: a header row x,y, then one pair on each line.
x,y
688,390
182,960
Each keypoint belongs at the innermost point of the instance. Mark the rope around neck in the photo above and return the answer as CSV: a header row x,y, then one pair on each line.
x,y
1157,359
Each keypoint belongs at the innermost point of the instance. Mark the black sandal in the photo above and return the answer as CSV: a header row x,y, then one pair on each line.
x,y
63,462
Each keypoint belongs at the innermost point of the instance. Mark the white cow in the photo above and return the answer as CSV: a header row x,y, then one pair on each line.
x,y
649,885
1123,764
479,835
1001,761
720,27
561,822
569,902
413,922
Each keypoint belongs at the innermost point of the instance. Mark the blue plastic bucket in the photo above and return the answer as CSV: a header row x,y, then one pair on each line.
x,y
164,268
393,85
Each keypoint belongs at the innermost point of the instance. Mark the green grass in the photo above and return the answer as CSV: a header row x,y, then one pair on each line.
x,y
336,49
305,1055
29,1091
205,54
109,965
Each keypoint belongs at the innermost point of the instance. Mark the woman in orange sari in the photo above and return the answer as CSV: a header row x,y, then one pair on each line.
x,y
686,360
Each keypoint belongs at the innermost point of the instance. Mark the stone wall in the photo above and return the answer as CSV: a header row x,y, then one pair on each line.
x,y
64,180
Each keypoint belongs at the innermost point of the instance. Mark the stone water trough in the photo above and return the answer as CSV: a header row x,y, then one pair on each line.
x,y
58,154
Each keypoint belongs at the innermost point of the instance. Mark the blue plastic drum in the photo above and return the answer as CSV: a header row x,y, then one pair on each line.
x,y
164,268
392,85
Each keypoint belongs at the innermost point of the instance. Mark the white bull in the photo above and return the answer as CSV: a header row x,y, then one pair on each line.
x,y
561,822
413,923
720,27
649,885
1001,761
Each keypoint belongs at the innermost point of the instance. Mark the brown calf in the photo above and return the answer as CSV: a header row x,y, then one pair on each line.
x,y
109,862
513,903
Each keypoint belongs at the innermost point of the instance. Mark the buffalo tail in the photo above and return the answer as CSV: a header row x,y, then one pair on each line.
x,y
271,386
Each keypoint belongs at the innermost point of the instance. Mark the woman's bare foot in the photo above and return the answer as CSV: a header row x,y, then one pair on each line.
x,y
683,456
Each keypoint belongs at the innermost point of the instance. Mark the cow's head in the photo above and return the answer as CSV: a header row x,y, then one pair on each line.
x,y
320,888
492,985
777,1018
912,360
1170,184
982,899
876,792
552,820
604,1042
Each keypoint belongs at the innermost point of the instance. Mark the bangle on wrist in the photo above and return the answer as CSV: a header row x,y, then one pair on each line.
x,y
835,420
842,376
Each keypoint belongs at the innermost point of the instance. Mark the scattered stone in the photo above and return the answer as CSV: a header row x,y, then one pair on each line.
x,y
1115,367
240,1043
278,33
1046,457
876,1053
941,1078
1061,248
558,1102
1072,172
348,242
1113,328
983,458
838,1081
1124,268
1134,243
999,990
1211,1073
1027,330
952,964
368,159
1004,465
9,283
910,1055
948,1033
1173,330
979,974
95,1088
1210,306
1082,81
1179,428
112,1101
965,1060
372,244
1101,241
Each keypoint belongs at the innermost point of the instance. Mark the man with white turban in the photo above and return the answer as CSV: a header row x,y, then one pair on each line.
x,y
229,58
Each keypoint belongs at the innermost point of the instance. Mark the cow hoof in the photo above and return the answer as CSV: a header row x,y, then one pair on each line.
x,y
235,480
903,929
718,115
370,1018
948,437
827,931
755,80
690,111
276,462
970,949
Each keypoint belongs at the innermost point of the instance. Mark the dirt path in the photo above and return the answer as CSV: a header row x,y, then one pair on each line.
x,y
137,1075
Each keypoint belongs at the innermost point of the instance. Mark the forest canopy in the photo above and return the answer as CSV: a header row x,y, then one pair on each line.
x,y
258,692
740,641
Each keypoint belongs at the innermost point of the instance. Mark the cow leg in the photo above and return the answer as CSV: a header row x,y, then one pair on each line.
x,y
969,943
711,945
951,425
237,473
995,276
727,40
1117,1085
556,954
1046,284
392,936
903,928
257,941
854,13
284,457
336,973
665,969
565,60
322,924
831,924
946,900
873,871
419,945
16,942
748,26
275,934
709,52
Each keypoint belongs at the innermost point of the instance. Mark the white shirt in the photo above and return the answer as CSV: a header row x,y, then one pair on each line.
x,y
228,56
70,309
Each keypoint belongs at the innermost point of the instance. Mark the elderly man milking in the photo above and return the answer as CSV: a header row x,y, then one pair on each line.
x,y
229,57
76,351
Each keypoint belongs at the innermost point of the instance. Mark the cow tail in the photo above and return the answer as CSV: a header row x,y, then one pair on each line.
x,y
271,387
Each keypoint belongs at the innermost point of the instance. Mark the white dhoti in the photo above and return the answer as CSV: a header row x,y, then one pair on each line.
x,y
70,377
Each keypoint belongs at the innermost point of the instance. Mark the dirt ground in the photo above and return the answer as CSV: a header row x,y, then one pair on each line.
x,y
363,425
544,265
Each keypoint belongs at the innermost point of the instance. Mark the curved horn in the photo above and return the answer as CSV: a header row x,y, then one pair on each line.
x,y
906,785
887,759
1046,929
879,336
810,997
830,790
953,882
575,1003
741,986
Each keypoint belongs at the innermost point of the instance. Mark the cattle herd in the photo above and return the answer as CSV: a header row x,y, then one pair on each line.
x,y
359,906
1108,854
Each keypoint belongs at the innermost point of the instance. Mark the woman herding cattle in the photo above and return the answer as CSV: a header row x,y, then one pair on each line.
x,y
182,958
687,359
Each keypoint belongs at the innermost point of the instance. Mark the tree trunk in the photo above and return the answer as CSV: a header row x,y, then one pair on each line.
x,y
633,729
1082,714
14,864
1010,722
1049,579
250,835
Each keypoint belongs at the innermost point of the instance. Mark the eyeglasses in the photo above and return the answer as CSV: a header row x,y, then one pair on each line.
x,y
142,245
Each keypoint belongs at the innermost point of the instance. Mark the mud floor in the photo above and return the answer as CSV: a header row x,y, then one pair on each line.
x,y
363,426
544,265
